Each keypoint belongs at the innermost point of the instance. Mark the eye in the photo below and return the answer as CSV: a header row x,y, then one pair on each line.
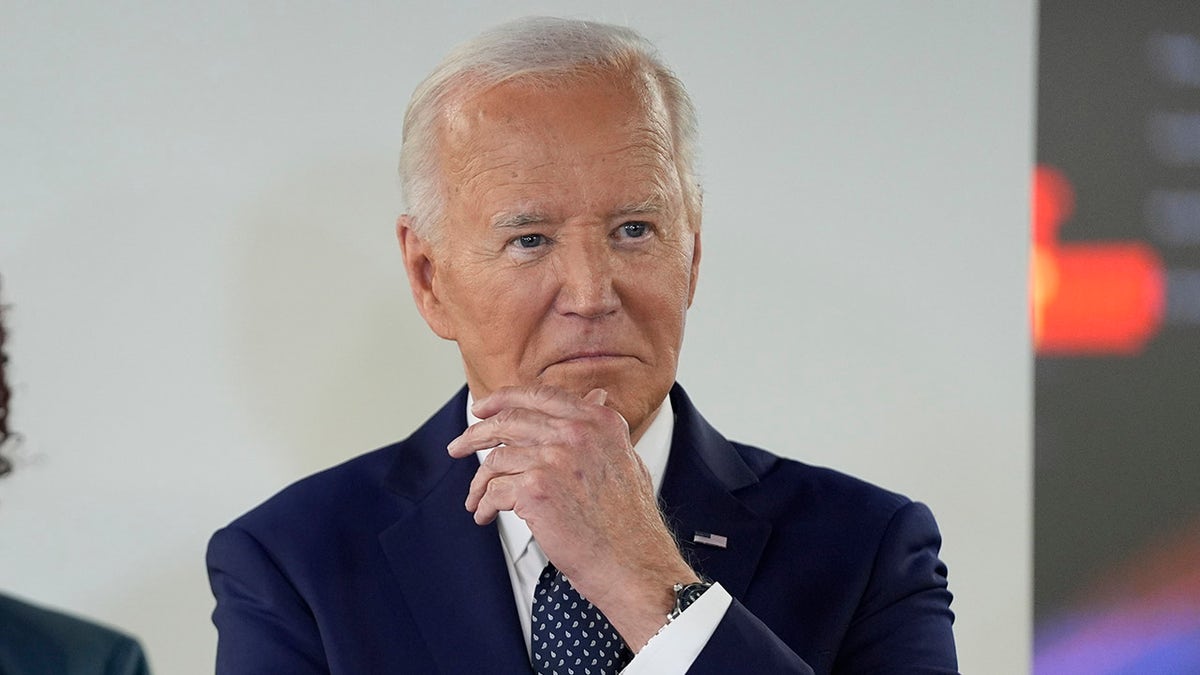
x,y
635,229
530,240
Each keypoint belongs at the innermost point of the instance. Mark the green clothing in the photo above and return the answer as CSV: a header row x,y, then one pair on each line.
x,y
36,641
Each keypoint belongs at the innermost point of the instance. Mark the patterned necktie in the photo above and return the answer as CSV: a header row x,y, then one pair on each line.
x,y
570,636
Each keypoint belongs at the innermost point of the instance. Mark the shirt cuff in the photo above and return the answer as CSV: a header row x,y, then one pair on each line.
x,y
673,649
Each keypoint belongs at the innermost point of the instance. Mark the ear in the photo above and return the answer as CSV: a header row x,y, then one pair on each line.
x,y
695,267
420,262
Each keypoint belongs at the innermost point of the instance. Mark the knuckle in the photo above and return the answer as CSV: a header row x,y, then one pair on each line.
x,y
554,460
569,435
479,485
506,416
491,464
610,417
521,508
496,492
576,432
537,483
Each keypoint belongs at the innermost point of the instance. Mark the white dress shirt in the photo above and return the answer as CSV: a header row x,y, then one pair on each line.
x,y
677,644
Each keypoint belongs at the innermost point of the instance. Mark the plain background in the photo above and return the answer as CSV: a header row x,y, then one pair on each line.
x,y
206,300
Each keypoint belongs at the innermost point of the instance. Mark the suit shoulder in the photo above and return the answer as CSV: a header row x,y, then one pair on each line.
x,y
343,494
796,484
357,483
36,639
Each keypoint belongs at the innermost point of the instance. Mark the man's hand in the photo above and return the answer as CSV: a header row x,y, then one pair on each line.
x,y
566,466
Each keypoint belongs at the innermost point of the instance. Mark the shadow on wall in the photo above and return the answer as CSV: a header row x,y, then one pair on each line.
x,y
330,355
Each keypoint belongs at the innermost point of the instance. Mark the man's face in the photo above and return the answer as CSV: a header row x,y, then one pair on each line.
x,y
567,257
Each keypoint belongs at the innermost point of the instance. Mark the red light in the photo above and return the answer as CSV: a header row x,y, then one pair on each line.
x,y
1089,298
1053,204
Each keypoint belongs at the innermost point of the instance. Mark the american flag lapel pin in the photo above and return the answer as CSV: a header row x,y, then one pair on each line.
x,y
710,539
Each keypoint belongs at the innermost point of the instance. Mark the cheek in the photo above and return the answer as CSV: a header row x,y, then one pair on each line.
x,y
657,295
462,291
496,311
673,276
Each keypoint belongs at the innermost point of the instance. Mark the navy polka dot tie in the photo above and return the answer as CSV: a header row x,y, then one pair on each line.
x,y
570,636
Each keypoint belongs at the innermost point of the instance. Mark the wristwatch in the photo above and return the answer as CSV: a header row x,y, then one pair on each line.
x,y
685,595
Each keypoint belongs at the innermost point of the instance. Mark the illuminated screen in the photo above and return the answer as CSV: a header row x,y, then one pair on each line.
x,y
1116,320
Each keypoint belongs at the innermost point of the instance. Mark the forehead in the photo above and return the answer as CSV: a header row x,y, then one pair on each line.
x,y
602,138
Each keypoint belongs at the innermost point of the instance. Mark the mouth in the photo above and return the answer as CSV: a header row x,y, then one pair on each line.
x,y
589,358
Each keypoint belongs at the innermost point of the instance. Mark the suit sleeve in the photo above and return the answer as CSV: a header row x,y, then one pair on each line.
x,y
743,644
263,625
902,623
127,658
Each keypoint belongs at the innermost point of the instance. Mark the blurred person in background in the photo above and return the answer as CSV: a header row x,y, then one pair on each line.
x,y
39,641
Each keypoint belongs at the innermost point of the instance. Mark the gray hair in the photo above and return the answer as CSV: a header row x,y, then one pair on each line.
x,y
544,49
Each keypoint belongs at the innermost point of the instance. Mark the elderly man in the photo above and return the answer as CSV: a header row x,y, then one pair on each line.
x,y
570,511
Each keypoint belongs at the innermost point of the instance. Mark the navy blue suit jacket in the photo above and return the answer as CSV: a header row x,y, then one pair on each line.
x,y
374,566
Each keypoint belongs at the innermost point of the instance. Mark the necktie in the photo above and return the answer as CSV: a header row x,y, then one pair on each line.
x,y
570,636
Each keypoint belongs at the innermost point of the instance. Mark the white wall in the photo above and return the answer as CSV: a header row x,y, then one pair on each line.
x,y
206,301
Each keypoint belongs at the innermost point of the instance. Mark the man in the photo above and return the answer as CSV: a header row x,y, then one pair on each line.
x,y
553,233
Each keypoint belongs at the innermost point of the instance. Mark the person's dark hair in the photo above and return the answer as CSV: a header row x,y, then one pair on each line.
x,y
5,435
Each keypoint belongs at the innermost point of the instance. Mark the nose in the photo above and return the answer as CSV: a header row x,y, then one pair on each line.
x,y
586,280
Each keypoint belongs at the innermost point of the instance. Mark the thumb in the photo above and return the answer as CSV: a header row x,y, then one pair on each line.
x,y
597,396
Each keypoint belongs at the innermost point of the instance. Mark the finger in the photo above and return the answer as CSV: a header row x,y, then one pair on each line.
x,y
501,495
597,396
503,461
546,398
511,426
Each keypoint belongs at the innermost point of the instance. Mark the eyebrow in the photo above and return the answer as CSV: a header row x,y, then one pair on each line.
x,y
651,204
515,220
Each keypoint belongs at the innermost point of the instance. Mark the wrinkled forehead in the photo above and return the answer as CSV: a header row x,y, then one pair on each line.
x,y
553,116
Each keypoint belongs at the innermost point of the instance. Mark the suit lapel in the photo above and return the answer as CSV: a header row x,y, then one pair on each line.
x,y
451,571
698,494
453,574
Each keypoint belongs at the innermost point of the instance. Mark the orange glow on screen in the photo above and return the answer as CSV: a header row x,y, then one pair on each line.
x,y
1089,298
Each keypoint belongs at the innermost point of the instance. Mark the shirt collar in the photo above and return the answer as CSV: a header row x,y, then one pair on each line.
x,y
654,448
